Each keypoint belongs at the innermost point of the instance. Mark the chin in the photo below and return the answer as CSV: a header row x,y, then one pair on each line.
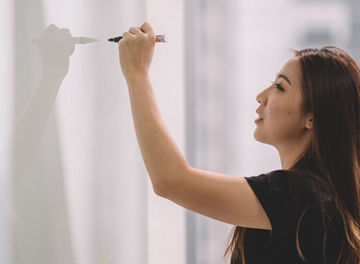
x,y
256,135
259,138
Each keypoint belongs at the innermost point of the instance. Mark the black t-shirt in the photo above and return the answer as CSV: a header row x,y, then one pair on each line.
x,y
285,195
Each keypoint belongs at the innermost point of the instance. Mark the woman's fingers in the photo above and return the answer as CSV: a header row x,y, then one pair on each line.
x,y
136,31
127,35
147,29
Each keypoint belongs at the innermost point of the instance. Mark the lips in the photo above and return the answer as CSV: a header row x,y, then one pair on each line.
x,y
258,112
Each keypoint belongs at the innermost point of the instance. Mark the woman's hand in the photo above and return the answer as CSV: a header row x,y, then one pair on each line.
x,y
136,49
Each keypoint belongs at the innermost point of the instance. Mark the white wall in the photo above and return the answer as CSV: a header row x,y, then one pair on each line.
x,y
87,197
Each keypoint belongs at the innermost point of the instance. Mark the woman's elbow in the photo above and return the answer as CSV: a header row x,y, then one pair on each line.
x,y
160,189
165,186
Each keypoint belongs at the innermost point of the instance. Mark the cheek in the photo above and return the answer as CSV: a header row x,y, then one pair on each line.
x,y
280,113
281,118
284,108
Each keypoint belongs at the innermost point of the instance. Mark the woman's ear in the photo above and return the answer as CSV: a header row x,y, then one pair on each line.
x,y
309,122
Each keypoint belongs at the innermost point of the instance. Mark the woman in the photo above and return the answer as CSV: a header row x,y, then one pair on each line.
x,y
307,212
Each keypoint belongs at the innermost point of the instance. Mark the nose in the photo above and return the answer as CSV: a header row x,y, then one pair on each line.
x,y
261,98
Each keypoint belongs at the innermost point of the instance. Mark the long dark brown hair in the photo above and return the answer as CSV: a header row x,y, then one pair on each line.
x,y
331,92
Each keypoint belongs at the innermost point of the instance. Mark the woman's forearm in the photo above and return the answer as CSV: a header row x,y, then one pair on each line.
x,y
162,158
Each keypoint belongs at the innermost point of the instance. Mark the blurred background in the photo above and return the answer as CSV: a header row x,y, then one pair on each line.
x,y
86,198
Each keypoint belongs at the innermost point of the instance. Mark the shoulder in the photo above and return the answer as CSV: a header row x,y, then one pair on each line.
x,y
285,181
285,194
282,177
286,184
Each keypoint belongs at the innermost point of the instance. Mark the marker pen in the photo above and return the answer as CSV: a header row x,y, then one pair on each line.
x,y
159,38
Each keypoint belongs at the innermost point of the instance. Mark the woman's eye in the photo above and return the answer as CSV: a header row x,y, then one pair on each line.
x,y
279,87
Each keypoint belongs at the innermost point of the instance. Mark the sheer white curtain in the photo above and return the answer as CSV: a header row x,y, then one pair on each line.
x,y
84,189
86,197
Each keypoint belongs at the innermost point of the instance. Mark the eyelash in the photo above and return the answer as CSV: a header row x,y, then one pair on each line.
x,y
278,86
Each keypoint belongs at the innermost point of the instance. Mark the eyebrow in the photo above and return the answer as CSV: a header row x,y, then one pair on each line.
x,y
284,77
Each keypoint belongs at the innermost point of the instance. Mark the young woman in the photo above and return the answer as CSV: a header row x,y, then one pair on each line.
x,y
306,212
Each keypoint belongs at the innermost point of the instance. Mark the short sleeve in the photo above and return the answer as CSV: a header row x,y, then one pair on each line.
x,y
282,197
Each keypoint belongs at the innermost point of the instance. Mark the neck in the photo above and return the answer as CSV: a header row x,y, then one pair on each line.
x,y
290,153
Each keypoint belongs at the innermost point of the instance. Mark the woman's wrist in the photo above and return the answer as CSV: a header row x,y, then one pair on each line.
x,y
136,75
